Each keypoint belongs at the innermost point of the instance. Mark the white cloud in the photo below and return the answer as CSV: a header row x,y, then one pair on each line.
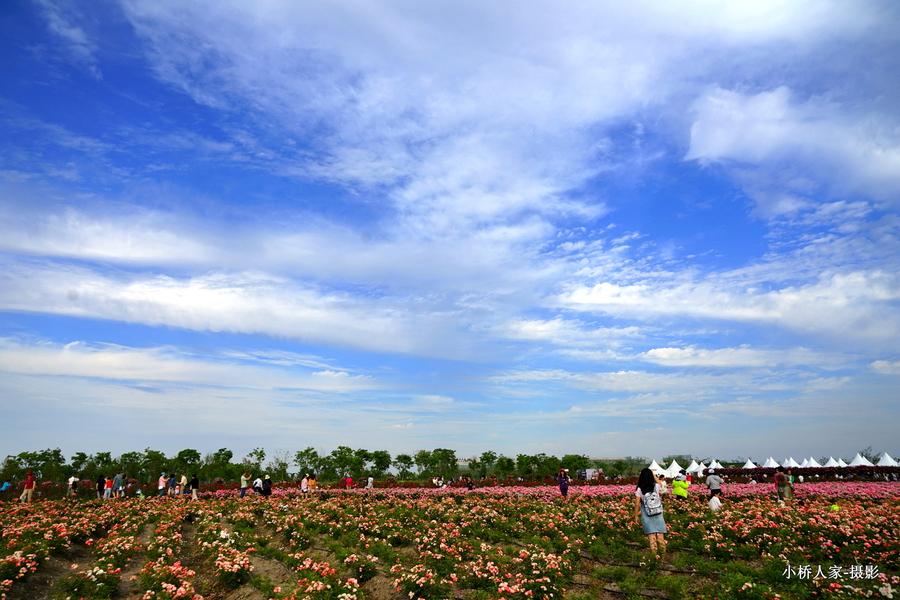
x,y
743,356
62,23
856,304
234,302
848,152
164,366
886,367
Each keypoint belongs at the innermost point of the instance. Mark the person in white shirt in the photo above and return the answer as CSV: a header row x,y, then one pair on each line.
x,y
304,484
370,482
72,490
258,485
715,504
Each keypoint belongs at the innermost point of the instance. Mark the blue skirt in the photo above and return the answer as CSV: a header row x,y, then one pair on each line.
x,y
654,524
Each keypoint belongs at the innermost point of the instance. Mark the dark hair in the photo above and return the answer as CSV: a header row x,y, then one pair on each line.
x,y
780,469
646,481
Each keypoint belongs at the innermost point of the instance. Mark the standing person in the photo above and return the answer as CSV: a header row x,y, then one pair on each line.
x,y
258,485
161,484
266,486
370,483
28,487
649,511
663,486
72,488
783,486
116,485
101,485
714,483
173,484
680,487
562,478
183,485
313,482
195,487
245,483
108,488
304,484
348,481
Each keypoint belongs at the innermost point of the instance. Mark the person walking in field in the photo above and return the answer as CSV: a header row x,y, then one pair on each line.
x,y
680,487
72,487
107,488
266,486
245,483
116,485
172,484
563,479
161,485
101,485
714,483
28,487
649,511
195,487
783,486
304,484
183,485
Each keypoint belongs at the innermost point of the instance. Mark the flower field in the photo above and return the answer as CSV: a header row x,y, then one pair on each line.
x,y
837,541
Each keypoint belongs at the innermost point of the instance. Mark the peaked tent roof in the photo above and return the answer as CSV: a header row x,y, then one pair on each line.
x,y
675,466
692,467
813,464
654,466
716,465
831,462
860,461
805,463
770,463
886,461
749,465
789,462
841,462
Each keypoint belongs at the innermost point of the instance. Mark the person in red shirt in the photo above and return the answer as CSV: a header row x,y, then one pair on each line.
x,y
28,490
107,488
348,482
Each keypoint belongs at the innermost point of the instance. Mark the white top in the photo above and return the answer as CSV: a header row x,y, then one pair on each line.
x,y
639,494
715,504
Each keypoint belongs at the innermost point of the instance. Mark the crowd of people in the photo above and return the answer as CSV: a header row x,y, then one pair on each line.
x,y
651,487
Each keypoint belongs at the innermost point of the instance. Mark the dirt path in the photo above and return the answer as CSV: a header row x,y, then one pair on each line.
x,y
128,586
39,586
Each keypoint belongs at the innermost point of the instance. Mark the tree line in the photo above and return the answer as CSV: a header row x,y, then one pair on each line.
x,y
146,465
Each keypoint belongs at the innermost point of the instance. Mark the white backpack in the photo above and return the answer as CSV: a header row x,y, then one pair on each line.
x,y
652,504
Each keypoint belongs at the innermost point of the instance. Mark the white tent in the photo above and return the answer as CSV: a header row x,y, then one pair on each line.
x,y
805,463
700,468
860,461
841,463
812,464
886,461
770,463
716,465
749,465
831,463
790,462
691,467
674,466
654,466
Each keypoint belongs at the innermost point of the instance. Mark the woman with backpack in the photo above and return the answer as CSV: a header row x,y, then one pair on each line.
x,y
649,509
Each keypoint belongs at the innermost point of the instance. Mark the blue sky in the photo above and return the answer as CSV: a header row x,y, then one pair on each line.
x,y
619,230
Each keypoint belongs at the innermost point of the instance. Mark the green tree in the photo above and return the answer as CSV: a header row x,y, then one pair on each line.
x,y
78,461
154,463
343,460
575,462
423,462
278,466
307,460
255,458
505,466
130,463
404,464
187,460
381,462
445,462
486,462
